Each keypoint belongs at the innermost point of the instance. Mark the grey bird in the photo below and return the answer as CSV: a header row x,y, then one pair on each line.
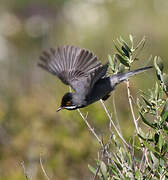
x,y
80,69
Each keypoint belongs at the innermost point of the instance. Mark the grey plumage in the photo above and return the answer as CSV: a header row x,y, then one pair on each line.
x,y
81,69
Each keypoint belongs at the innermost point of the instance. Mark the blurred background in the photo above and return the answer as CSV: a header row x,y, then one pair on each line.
x,y
29,97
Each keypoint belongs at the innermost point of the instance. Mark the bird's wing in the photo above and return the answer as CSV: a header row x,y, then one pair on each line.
x,y
76,67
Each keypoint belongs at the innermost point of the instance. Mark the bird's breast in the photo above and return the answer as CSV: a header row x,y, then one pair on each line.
x,y
100,89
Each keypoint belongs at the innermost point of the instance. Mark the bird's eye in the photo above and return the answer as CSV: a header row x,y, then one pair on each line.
x,y
68,103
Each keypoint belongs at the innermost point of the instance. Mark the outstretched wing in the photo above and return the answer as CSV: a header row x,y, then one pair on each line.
x,y
76,67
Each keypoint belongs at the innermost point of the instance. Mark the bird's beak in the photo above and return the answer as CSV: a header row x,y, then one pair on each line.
x,y
59,109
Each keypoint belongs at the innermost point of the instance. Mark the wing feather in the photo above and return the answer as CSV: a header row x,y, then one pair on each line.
x,y
76,67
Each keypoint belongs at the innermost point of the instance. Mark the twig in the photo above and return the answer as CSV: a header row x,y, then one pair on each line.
x,y
97,171
133,157
41,164
115,112
101,143
142,159
91,129
24,170
122,177
118,132
104,147
134,119
131,106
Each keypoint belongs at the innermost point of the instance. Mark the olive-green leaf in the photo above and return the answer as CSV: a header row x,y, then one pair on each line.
x,y
138,175
111,61
164,113
165,79
159,63
103,169
125,51
160,142
146,101
151,148
124,43
121,68
118,49
122,60
92,169
147,122
131,38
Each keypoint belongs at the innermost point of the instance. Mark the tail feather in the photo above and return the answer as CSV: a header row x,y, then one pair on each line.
x,y
124,76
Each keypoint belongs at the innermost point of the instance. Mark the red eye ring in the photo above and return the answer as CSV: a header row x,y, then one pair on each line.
x,y
68,103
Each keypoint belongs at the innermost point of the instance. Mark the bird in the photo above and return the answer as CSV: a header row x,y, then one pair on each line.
x,y
84,73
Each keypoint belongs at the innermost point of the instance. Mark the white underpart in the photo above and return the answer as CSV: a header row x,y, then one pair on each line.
x,y
70,107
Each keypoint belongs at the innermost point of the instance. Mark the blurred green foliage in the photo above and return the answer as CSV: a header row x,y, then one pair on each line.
x,y
29,97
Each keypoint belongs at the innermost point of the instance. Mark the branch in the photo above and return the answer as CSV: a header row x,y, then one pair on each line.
x,y
111,121
24,170
115,112
131,106
44,172
91,129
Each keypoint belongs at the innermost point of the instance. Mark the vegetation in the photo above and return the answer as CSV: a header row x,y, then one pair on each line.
x,y
146,154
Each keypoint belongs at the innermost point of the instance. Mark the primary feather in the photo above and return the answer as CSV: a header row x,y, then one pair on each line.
x,y
74,66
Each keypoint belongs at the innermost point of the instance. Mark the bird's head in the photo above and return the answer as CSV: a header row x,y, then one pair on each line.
x,y
67,102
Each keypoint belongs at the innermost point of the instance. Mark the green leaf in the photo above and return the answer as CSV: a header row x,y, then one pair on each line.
x,y
146,122
165,148
118,49
122,60
138,175
118,165
164,113
116,178
156,91
164,117
103,169
150,148
158,71
92,169
146,101
161,162
159,63
165,79
125,45
144,138
141,43
131,39
160,142
111,61
156,138
114,170
125,51
154,159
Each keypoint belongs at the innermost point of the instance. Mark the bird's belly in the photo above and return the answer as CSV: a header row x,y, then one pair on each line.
x,y
100,89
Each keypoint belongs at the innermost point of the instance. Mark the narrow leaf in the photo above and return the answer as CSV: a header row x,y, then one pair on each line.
x,y
131,38
147,122
111,62
151,148
146,101
122,60
92,169
164,113
160,142
125,51
103,169
118,49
